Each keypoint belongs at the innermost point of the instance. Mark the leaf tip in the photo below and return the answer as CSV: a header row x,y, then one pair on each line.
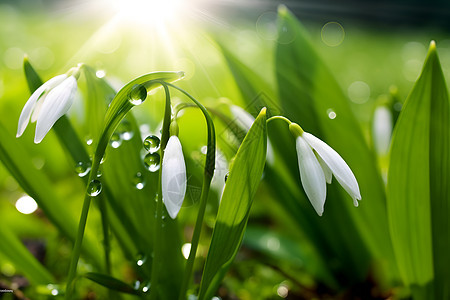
x,y
282,10
433,45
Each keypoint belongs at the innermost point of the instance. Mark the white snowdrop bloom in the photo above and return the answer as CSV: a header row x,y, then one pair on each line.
x,y
245,120
47,104
382,129
173,177
318,162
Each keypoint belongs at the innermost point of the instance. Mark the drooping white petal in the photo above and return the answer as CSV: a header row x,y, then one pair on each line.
x,y
56,104
245,121
173,177
326,170
31,103
382,129
242,117
311,175
337,165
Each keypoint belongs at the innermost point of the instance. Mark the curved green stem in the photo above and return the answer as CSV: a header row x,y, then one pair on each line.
x,y
159,205
207,177
279,118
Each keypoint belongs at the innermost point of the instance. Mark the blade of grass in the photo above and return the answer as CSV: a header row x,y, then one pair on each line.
x,y
22,259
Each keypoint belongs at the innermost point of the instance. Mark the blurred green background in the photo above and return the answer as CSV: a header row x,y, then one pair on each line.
x,y
375,51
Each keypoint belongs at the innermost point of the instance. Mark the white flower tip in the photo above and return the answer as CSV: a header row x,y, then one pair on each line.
x,y
38,139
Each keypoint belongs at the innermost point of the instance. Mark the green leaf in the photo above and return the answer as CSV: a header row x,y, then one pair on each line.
x,y
111,283
36,184
22,259
418,194
308,91
242,183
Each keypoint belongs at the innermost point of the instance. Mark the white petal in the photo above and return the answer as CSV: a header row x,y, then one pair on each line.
x,y
173,177
245,121
326,171
270,156
242,117
337,165
382,129
31,103
311,175
56,104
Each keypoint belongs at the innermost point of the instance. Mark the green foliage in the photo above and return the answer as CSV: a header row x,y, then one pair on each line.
x,y
418,196
231,221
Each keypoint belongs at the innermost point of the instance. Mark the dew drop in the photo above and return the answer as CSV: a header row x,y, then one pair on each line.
x,y
146,288
151,143
116,140
125,130
89,141
94,188
152,161
226,177
82,168
139,181
204,149
141,259
331,114
138,94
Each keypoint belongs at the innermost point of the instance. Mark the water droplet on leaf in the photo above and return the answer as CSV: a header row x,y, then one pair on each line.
x,y
139,181
125,130
94,188
138,94
82,168
141,259
116,140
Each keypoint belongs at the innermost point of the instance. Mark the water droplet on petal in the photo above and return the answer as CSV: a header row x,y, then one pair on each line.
x,y
152,162
94,188
146,288
139,181
116,140
82,168
138,94
151,143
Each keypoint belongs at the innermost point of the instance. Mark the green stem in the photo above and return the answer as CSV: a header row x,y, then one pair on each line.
x,y
159,205
83,218
195,238
207,177
279,118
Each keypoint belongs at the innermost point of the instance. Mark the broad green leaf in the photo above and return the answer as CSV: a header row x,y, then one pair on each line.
x,y
418,194
22,259
242,183
308,92
111,283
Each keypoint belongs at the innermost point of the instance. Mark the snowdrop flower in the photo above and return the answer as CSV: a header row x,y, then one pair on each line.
x,y
245,120
318,162
49,103
382,129
173,177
